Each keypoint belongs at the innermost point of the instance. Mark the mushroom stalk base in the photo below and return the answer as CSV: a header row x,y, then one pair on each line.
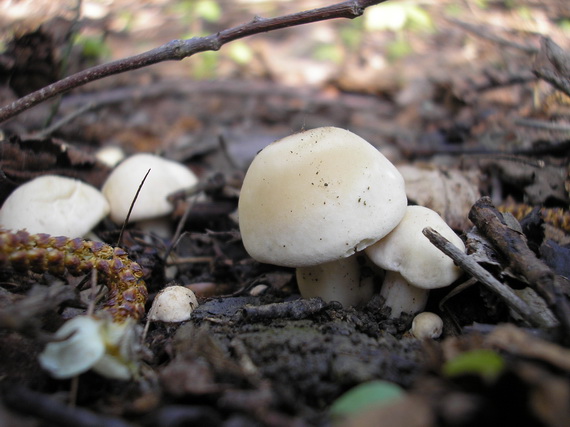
x,y
402,297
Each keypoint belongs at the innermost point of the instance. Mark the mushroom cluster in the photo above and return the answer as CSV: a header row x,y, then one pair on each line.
x,y
64,206
327,203
315,199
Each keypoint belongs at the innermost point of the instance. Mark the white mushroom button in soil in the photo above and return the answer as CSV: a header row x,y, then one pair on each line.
x,y
427,325
54,205
316,197
173,304
413,264
165,177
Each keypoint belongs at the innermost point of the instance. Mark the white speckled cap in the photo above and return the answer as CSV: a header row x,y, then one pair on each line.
x,y
317,196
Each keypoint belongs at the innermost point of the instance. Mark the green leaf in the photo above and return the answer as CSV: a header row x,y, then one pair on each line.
x,y
373,393
485,363
240,52
208,10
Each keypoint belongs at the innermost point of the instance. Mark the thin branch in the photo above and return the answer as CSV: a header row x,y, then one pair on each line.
x,y
522,260
177,50
484,34
471,267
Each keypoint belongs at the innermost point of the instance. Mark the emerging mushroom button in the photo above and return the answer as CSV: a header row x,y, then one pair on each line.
x,y
318,196
314,199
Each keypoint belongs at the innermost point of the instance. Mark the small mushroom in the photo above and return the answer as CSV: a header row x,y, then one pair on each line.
x,y
165,177
173,304
413,264
54,205
315,198
427,325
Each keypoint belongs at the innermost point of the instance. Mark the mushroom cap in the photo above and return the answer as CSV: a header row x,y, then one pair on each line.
x,y
427,325
54,205
318,196
165,177
407,251
173,304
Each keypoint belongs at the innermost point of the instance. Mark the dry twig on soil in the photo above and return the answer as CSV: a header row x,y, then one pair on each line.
x,y
470,266
180,49
512,245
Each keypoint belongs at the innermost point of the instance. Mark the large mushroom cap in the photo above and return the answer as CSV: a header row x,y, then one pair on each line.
x,y
54,205
407,251
165,177
318,196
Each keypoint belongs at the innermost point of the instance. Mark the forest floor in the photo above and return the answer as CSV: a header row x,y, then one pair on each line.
x,y
448,91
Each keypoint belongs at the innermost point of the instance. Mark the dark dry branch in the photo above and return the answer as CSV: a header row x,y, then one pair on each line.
x,y
484,34
54,411
470,266
512,245
23,315
553,65
177,50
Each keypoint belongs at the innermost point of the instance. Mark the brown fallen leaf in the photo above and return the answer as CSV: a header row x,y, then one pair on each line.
x,y
518,342
449,192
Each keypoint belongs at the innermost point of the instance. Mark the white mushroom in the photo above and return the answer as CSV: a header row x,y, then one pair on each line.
x,y
413,264
316,197
173,304
54,205
165,177
427,325
339,280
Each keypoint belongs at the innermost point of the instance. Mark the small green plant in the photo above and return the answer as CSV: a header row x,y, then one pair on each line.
x,y
93,48
373,393
487,364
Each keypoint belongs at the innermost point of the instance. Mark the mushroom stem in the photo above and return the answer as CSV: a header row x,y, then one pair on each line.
x,y
402,297
339,280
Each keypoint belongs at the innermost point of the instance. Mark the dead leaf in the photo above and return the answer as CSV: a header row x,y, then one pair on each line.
x,y
518,342
450,193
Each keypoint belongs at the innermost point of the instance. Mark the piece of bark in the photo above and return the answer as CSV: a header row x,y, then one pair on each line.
x,y
522,261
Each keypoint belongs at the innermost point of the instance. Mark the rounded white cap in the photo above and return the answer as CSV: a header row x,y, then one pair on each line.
x,y
165,177
407,251
173,304
318,196
54,205
427,325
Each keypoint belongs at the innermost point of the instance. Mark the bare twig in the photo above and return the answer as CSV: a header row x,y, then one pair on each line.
x,y
472,268
484,34
522,260
126,221
541,124
180,49
553,65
